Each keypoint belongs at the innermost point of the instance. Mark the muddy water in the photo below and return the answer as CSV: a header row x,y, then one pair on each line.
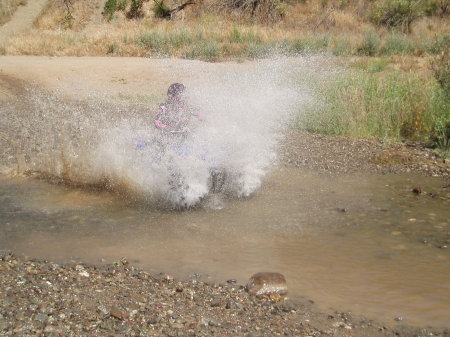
x,y
360,243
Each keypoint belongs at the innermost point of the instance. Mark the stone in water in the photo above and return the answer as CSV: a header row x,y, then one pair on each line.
x,y
267,283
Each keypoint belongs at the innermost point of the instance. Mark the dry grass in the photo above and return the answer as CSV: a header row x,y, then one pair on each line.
x,y
340,28
7,9
55,17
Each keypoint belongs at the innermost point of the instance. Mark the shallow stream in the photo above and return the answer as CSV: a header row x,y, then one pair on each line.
x,y
363,243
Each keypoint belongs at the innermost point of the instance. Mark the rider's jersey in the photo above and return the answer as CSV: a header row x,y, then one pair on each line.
x,y
172,115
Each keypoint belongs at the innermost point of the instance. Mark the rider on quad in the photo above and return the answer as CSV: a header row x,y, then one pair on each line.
x,y
173,118
174,113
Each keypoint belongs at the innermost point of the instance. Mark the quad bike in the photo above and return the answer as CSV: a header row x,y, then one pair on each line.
x,y
182,156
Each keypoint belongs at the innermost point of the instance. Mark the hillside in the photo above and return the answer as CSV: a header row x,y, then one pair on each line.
x,y
216,30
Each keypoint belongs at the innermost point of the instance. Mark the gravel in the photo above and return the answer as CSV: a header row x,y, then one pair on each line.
x,y
41,298
339,154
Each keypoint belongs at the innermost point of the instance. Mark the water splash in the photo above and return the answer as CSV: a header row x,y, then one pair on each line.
x,y
115,145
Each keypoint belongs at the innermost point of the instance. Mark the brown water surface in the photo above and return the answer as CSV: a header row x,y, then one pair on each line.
x,y
350,242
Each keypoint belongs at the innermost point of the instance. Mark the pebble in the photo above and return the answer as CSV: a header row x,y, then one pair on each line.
x,y
41,317
119,314
342,325
79,311
102,309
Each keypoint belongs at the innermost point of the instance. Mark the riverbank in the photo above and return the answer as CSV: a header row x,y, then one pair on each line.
x,y
339,154
39,297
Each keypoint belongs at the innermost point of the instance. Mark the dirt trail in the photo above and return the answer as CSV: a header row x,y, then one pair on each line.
x,y
22,19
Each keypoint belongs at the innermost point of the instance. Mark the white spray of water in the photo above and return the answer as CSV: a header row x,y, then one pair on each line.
x,y
245,108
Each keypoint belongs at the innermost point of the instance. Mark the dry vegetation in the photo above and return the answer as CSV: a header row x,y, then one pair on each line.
x,y
214,30
395,47
7,9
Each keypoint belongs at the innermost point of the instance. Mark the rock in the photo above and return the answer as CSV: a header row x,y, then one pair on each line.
x,y
267,283
204,321
166,277
215,304
342,325
41,317
102,309
81,271
119,314
417,190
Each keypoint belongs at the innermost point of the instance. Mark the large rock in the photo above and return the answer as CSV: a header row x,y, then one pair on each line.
x,y
267,283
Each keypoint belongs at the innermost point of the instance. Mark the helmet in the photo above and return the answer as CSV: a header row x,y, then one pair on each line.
x,y
175,89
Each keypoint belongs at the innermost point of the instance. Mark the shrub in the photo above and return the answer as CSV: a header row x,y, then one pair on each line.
x,y
441,122
342,47
109,9
157,42
135,11
311,44
434,7
161,10
113,48
439,44
238,36
441,70
397,13
370,43
67,21
209,51
122,5
163,43
398,43
261,10
393,105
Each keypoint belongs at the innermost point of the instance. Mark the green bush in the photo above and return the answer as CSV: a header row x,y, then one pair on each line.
x,y
397,13
391,106
441,70
165,43
237,36
161,10
135,11
437,45
342,47
311,44
398,43
436,7
109,9
122,5
370,43
208,51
